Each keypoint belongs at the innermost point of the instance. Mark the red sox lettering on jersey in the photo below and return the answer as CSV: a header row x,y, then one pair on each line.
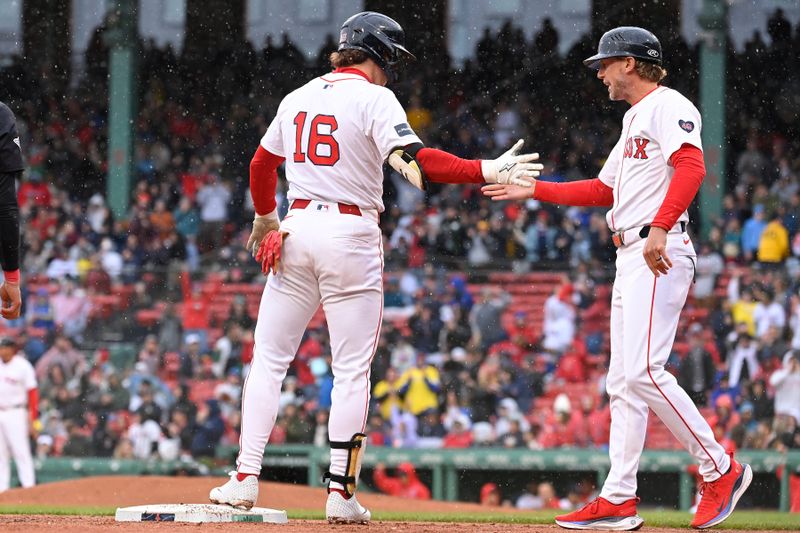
x,y
640,144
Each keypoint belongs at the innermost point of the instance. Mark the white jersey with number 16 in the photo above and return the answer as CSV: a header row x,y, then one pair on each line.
x,y
335,133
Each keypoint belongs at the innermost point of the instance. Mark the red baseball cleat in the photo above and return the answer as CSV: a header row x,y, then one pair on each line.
x,y
601,514
720,496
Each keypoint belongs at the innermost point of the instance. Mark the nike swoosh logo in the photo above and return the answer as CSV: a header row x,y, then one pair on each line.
x,y
685,241
507,166
721,507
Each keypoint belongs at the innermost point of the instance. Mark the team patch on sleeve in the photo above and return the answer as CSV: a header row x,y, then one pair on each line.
x,y
686,125
403,129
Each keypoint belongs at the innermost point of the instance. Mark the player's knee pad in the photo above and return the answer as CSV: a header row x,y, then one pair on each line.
x,y
355,446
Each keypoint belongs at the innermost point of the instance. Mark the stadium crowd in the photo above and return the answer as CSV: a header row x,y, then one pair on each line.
x,y
459,362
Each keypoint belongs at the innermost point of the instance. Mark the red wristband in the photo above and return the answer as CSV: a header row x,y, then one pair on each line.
x,y
11,276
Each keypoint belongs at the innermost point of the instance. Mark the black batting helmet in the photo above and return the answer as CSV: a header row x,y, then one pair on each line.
x,y
626,41
381,37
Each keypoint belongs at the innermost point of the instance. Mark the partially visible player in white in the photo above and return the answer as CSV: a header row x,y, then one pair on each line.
x,y
19,404
334,134
648,181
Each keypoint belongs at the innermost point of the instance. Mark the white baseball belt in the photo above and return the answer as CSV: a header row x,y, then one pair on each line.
x,y
626,237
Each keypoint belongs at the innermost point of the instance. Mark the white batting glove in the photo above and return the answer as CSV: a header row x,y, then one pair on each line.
x,y
262,224
511,168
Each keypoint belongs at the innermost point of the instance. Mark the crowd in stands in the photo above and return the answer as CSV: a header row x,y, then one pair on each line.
x,y
466,357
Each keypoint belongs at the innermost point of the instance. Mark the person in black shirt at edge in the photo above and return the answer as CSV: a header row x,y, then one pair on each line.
x,y
10,170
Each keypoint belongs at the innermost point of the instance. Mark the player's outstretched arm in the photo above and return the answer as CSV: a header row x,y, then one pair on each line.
x,y
583,193
419,165
499,191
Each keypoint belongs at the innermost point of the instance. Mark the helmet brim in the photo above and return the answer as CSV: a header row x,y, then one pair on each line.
x,y
408,55
594,61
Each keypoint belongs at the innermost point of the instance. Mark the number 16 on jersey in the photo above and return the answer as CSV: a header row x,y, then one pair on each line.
x,y
322,148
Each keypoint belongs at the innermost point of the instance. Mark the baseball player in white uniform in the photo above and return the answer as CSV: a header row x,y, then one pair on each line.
x,y
334,134
648,181
19,403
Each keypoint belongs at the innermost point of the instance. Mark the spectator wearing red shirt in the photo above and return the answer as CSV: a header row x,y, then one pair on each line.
x,y
594,319
490,495
724,439
309,349
724,414
548,497
572,365
564,427
599,422
508,349
405,485
33,192
196,313
44,222
522,332
458,437
376,431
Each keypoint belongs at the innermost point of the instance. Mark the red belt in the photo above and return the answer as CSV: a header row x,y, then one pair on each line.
x,y
345,209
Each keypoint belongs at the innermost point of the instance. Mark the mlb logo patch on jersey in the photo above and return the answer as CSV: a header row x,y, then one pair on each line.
x,y
686,126
403,129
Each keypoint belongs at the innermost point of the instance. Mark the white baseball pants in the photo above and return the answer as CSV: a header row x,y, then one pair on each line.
x,y
337,260
644,319
14,444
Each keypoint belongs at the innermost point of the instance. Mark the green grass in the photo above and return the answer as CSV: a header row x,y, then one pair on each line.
x,y
57,510
742,520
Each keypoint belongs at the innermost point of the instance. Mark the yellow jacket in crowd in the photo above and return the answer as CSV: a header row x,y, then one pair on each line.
x,y
774,244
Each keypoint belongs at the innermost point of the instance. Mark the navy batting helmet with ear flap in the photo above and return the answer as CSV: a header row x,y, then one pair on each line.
x,y
381,37
626,41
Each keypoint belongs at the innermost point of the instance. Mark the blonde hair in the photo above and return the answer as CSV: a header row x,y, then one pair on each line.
x,y
346,58
650,71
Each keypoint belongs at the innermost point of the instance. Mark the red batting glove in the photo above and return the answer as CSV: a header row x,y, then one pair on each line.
x,y
269,252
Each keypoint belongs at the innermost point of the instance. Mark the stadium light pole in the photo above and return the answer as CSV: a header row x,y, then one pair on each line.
x,y
122,43
713,46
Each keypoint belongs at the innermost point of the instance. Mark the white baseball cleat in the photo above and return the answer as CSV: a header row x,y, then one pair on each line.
x,y
238,494
342,511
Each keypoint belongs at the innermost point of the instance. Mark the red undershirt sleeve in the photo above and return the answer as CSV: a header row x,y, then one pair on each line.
x,y
686,180
443,167
264,180
584,193
33,403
